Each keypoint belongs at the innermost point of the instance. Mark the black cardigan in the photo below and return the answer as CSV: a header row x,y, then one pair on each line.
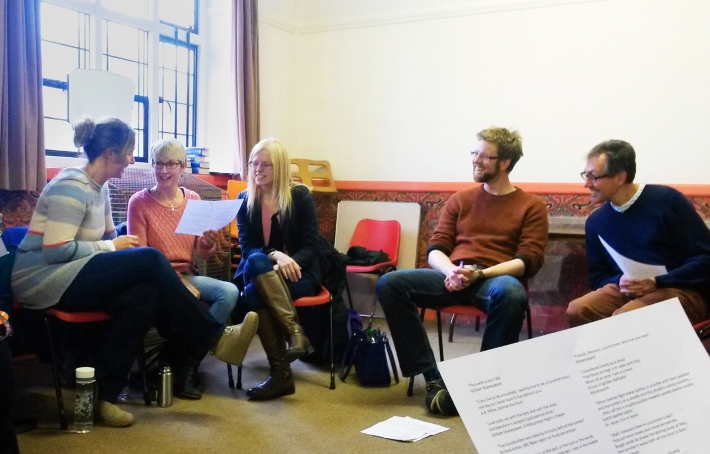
x,y
299,229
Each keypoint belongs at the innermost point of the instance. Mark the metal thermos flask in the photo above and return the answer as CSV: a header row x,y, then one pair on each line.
x,y
165,387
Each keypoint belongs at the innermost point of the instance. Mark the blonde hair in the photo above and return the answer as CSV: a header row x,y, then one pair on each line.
x,y
281,189
169,149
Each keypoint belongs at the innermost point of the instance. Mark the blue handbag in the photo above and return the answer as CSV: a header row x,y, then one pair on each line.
x,y
367,350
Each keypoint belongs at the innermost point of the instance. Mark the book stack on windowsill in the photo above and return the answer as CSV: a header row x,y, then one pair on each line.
x,y
199,160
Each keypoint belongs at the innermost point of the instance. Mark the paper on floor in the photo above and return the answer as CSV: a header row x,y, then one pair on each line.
x,y
404,429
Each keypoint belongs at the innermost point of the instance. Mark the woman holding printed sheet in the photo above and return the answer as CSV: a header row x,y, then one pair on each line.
x,y
71,259
153,216
278,234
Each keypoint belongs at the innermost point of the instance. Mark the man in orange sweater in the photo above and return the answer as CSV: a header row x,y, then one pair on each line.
x,y
489,239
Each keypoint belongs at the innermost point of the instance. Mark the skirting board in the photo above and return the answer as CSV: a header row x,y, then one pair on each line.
x,y
407,213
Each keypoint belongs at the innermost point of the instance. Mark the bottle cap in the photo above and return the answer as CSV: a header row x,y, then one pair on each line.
x,y
166,369
84,372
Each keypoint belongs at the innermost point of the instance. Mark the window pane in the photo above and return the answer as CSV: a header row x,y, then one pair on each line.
x,y
58,135
135,8
54,103
65,41
176,114
178,12
125,53
167,116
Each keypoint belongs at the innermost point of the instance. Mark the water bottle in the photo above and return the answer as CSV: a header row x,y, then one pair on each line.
x,y
84,406
165,387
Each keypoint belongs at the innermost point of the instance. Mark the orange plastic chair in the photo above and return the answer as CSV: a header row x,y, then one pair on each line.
x,y
375,235
82,317
234,187
324,297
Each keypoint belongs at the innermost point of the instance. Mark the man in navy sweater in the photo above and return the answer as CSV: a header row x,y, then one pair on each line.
x,y
650,224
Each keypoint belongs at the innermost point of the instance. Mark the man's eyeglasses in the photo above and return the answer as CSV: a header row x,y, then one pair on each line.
x,y
485,157
590,176
170,165
264,165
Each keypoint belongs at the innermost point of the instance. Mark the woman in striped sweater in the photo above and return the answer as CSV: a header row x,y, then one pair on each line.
x,y
71,259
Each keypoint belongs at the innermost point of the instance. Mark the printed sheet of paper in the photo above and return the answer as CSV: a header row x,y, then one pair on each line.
x,y
404,429
632,268
201,215
636,383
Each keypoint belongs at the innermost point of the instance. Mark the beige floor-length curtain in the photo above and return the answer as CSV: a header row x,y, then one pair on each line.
x,y
246,40
22,164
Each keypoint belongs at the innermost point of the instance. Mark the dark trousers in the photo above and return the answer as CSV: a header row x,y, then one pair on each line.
x,y
8,440
257,264
400,292
138,288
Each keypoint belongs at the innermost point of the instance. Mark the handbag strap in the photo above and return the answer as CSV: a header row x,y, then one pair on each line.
x,y
348,360
391,356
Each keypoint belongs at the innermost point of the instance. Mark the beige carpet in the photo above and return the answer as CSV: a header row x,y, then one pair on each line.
x,y
314,420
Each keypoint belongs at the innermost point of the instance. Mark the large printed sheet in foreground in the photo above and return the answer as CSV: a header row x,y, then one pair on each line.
x,y
634,383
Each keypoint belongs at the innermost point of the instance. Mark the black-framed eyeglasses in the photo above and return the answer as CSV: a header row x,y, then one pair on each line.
x,y
170,165
590,176
485,157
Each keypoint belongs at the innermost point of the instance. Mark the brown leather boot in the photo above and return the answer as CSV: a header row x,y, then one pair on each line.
x,y
274,291
280,380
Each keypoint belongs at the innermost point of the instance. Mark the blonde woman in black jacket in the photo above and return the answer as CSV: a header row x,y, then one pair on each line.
x,y
278,235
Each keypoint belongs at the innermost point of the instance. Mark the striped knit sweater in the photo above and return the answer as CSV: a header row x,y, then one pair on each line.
x,y
71,223
155,225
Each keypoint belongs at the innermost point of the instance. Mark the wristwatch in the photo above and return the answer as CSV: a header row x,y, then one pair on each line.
x,y
271,254
480,275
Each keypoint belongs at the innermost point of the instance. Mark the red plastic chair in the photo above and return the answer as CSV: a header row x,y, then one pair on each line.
x,y
375,235
462,309
324,297
82,317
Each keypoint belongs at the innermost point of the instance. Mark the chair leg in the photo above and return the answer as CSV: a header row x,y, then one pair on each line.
x,y
529,318
347,289
438,326
231,377
239,376
140,358
410,388
55,373
332,356
451,327
478,323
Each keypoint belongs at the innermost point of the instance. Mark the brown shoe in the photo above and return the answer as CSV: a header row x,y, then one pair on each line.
x,y
113,416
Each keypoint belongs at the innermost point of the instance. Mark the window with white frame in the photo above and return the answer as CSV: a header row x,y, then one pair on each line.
x,y
152,42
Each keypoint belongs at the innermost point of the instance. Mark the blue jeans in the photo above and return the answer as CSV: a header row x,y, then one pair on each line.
x,y
138,288
220,295
504,299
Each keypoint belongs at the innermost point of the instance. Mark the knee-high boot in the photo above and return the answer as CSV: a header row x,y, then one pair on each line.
x,y
280,380
274,291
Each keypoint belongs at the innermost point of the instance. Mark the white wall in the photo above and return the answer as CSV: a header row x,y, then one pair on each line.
x,y
397,90
277,70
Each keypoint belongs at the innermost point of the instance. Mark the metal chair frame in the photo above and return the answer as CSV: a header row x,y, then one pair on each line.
x,y
79,318
461,310
324,297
